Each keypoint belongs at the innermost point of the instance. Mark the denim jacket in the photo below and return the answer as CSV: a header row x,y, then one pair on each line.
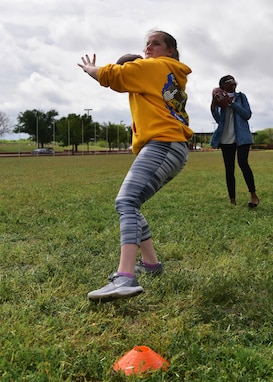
x,y
242,113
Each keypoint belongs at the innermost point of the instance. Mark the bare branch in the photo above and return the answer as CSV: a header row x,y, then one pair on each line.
x,y
5,124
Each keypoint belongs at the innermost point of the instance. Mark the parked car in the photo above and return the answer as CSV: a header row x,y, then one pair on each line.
x,y
43,151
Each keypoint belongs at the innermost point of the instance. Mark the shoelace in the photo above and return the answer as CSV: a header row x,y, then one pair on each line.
x,y
113,276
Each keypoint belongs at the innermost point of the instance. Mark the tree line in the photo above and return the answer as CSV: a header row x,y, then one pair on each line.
x,y
73,130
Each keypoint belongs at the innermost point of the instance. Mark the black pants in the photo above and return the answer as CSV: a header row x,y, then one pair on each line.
x,y
229,152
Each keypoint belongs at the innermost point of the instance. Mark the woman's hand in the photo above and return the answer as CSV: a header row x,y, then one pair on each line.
x,y
89,66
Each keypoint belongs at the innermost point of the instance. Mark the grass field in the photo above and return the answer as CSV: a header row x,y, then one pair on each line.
x,y
210,315
26,146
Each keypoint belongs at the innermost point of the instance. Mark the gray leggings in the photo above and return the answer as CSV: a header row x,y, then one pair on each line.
x,y
156,164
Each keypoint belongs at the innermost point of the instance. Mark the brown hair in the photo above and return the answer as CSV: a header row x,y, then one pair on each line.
x,y
170,41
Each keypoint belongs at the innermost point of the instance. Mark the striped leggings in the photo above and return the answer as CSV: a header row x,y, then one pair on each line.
x,y
156,164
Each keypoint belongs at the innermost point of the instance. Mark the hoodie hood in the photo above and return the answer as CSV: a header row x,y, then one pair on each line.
x,y
179,69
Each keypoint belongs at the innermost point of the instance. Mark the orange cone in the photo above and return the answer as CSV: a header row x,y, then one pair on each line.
x,y
139,360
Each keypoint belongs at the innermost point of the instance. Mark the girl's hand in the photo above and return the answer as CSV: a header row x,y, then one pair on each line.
x,y
90,66
87,63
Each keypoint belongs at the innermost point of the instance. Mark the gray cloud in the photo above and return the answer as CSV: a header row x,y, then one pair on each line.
x,y
41,43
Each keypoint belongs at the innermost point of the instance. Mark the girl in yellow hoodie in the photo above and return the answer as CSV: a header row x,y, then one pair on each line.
x,y
157,97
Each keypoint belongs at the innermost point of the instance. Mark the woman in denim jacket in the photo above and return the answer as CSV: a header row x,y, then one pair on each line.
x,y
233,134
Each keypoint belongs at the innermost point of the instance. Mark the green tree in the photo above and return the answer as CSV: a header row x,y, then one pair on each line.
x,y
69,131
38,124
264,136
116,135
123,136
88,128
270,136
75,129
109,133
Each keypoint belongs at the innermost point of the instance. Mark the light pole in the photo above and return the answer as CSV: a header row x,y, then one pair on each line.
x,y
128,137
88,111
120,124
19,140
68,136
37,129
95,136
54,135
107,139
82,137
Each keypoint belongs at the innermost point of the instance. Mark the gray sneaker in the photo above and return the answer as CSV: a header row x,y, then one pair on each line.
x,y
140,267
119,287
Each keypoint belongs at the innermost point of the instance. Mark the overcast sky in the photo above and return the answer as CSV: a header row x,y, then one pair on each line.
x,y
42,42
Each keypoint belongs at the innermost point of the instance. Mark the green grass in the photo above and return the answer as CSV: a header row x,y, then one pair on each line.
x,y
210,315
26,146
22,145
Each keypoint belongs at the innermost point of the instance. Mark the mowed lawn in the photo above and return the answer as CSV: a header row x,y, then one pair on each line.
x,y
210,314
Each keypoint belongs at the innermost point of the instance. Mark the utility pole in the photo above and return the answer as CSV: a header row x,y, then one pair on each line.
x,y
37,129
88,110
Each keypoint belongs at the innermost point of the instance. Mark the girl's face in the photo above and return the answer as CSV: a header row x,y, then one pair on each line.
x,y
156,46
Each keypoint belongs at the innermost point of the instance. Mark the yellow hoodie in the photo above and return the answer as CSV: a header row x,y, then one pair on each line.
x,y
157,97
